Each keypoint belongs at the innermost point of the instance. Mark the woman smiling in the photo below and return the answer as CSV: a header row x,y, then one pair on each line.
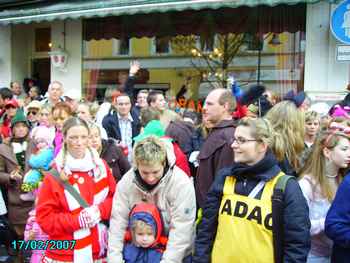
x,y
238,220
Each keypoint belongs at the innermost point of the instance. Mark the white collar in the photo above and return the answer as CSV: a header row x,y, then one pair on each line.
x,y
19,147
91,161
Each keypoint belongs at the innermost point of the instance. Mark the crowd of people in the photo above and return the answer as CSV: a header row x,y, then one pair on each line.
x,y
252,178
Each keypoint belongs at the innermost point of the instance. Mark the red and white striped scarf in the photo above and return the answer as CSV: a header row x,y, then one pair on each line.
x,y
93,164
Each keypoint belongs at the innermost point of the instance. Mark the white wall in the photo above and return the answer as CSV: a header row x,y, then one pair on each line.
x,y
72,78
5,56
323,74
20,52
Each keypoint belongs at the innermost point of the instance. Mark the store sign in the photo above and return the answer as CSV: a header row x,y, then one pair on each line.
x,y
59,59
340,22
343,53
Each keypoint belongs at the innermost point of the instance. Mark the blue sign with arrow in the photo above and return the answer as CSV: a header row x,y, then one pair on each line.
x,y
340,22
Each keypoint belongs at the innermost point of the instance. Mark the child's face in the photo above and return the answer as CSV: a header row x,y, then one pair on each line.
x,y
45,117
59,117
144,237
311,127
40,144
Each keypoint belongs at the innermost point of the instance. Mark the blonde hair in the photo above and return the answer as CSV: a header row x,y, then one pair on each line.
x,y
149,151
261,130
91,106
46,107
311,116
288,121
316,164
141,226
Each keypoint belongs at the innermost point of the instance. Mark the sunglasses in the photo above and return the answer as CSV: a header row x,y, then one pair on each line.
x,y
10,107
32,113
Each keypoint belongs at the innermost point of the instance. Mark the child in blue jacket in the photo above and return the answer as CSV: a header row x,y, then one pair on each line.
x,y
144,240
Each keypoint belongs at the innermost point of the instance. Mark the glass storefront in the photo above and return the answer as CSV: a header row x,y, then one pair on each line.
x,y
265,45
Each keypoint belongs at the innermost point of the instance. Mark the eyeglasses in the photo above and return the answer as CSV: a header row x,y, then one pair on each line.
x,y
241,140
32,112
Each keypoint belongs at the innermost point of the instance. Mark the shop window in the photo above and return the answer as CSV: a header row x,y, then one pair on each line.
x,y
42,39
121,46
161,45
206,44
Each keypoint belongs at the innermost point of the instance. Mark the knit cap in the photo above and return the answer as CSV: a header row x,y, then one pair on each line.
x,y
42,133
19,117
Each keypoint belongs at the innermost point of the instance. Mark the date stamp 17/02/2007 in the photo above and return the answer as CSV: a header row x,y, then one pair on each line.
x,y
43,244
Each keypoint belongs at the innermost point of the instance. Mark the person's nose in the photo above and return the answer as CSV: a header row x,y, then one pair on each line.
x,y
234,144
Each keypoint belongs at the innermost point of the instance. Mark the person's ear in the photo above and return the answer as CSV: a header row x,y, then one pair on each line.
x,y
262,147
326,152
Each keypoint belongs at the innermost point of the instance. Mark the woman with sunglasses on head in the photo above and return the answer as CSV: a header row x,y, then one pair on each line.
x,y
319,182
237,217
339,124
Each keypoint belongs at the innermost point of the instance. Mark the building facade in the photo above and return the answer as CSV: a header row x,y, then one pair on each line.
x,y
178,43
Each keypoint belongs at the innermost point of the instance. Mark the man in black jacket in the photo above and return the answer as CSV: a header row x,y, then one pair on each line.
x,y
121,124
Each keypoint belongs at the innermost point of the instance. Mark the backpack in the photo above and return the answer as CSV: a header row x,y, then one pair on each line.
x,y
277,216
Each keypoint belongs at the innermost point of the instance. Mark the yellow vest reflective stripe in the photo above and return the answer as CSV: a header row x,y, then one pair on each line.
x,y
244,232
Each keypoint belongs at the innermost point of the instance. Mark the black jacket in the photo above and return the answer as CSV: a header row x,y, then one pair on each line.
x,y
182,133
296,213
115,158
129,88
111,124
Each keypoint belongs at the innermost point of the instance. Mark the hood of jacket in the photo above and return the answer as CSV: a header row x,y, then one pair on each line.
x,y
188,127
149,214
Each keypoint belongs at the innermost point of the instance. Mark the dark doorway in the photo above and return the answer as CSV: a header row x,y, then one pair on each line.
x,y
41,71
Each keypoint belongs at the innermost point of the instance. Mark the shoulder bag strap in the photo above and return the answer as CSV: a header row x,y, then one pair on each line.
x,y
277,217
68,187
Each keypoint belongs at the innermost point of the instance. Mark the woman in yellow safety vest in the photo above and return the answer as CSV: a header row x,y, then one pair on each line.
x,y
238,220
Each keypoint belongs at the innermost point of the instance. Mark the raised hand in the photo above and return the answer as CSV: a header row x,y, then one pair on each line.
x,y
134,67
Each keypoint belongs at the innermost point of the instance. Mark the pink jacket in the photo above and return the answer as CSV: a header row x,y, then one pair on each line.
x,y
32,225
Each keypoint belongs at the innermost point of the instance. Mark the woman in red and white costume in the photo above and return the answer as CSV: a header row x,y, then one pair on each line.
x,y
60,215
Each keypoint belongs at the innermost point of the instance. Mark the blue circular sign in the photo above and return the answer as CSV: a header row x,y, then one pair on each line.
x,y
340,22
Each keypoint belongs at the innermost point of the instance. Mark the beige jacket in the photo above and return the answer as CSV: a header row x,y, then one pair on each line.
x,y
175,198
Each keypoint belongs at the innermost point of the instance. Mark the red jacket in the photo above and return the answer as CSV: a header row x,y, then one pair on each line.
x,y
55,218
181,159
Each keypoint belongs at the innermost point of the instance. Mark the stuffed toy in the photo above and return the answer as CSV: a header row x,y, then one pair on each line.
x,y
38,161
